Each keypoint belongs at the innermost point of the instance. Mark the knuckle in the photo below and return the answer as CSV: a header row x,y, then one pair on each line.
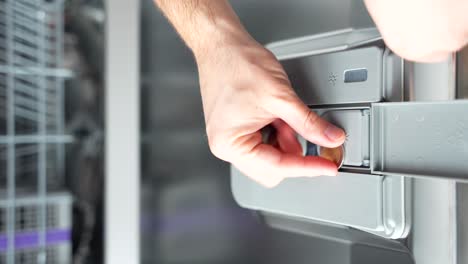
x,y
282,98
272,182
267,181
217,147
310,122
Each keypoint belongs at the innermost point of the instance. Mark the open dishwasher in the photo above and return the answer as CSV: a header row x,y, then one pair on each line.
x,y
402,159
371,213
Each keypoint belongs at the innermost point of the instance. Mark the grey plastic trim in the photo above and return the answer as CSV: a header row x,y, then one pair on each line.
x,y
433,200
393,77
324,43
421,139
319,79
332,232
374,203
355,200
316,66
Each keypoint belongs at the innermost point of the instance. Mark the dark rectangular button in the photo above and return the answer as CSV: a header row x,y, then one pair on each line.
x,y
356,75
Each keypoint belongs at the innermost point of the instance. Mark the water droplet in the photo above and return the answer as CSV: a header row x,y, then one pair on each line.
x,y
396,118
420,118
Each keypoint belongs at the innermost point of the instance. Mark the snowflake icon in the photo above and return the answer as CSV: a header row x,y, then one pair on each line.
x,y
332,78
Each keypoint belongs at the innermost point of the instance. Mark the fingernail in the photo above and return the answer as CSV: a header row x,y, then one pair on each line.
x,y
334,133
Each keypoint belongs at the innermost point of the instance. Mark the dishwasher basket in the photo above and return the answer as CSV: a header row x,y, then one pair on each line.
x,y
27,231
35,215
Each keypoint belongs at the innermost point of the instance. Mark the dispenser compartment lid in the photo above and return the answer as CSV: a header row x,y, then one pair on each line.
x,y
421,139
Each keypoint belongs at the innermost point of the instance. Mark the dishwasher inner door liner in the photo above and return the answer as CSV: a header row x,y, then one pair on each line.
x,y
339,75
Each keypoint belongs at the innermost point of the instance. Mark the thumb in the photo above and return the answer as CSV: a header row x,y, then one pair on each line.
x,y
308,124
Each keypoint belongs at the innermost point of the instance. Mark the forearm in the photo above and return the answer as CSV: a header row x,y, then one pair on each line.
x,y
204,24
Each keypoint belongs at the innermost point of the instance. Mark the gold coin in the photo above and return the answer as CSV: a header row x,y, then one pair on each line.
x,y
335,155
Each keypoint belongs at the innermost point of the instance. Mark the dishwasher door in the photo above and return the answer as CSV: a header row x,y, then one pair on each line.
x,y
319,68
425,140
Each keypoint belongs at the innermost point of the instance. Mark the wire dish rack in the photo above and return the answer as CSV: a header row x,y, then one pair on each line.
x,y
27,235
35,218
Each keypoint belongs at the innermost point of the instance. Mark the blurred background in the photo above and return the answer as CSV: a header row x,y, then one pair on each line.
x,y
53,127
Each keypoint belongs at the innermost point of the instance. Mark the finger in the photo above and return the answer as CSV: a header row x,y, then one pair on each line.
x,y
269,166
291,165
286,138
307,123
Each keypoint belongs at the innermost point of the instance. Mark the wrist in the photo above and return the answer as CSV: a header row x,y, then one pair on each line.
x,y
215,25
218,35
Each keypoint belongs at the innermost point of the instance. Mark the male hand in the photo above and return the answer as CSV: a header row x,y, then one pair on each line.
x,y
244,88
421,30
